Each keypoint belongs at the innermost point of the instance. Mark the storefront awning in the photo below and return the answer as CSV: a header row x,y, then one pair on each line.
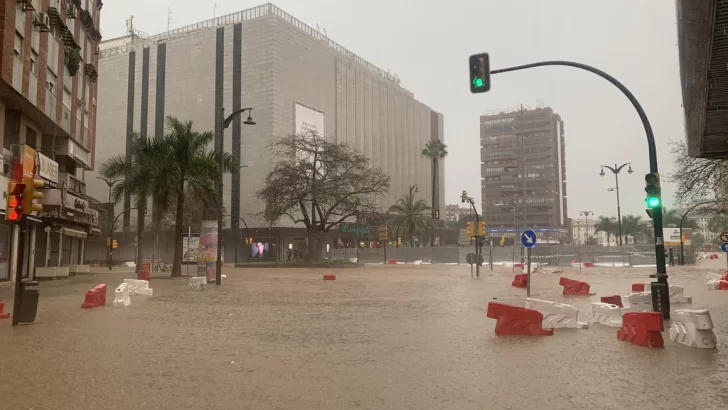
x,y
74,233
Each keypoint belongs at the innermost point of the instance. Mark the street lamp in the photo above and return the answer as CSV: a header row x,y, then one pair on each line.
x,y
222,123
616,170
111,184
586,214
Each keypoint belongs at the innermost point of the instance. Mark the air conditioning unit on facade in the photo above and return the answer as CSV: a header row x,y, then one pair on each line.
x,y
42,21
71,11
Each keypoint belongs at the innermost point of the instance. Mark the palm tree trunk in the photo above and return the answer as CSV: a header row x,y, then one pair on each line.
x,y
434,179
140,234
178,232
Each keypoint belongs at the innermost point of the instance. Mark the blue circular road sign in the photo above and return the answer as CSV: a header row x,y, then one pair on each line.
x,y
528,238
724,246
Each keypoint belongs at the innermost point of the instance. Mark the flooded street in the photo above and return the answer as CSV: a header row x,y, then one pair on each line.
x,y
399,337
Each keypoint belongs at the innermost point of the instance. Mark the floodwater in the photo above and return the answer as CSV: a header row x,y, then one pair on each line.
x,y
387,337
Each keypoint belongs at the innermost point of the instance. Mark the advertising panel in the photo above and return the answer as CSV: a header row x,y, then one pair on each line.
x,y
48,170
307,120
207,256
672,236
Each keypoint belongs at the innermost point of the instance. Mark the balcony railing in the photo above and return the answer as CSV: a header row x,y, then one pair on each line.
x,y
72,183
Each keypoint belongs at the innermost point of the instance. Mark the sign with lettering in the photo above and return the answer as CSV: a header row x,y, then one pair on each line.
x,y
356,230
48,170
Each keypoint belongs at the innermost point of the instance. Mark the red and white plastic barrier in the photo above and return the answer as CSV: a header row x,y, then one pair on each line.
x,y
637,302
138,287
677,294
95,297
693,328
121,296
556,315
197,283
606,314
514,320
642,329
329,276
520,281
2,308
612,300
574,287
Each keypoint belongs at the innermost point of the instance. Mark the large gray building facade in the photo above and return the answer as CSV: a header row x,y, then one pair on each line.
x,y
523,171
266,59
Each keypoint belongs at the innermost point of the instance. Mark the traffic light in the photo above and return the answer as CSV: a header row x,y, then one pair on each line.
x,y
14,204
503,240
30,194
479,73
114,245
464,196
399,241
436,214
481,228
652,188
108,242
470,229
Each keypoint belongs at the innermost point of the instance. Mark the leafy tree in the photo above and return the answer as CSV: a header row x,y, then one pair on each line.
x,y
607,225
435,150
133,173
186,169
411,218
320,184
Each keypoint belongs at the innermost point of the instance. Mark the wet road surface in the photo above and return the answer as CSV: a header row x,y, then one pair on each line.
x,y
394,337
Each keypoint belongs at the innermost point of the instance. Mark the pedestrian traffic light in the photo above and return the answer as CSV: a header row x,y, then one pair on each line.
x,y
470,229
481,228
464,196
652,188
14,204
114,245
30,194
479,73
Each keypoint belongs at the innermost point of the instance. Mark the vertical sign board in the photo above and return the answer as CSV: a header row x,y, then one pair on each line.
x,y
28,162
207,257
190,249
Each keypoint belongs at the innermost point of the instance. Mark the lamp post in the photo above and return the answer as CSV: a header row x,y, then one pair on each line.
x,y
586,215
616,170
222,123
111,184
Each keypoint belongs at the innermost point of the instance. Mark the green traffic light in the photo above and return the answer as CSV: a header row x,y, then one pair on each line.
x,y
478,82
653,202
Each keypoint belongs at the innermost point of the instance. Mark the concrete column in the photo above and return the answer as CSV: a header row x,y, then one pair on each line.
x,y
60,246
31,254
48,246
83,250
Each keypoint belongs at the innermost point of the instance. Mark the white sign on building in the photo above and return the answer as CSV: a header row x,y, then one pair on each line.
x,y
48,170
307,120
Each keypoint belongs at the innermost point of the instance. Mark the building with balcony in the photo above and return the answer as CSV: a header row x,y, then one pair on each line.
x,y
48,82
523,173
454,213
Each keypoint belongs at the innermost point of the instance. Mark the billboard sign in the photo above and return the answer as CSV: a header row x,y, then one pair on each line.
x,y
307,120
48,170
672,236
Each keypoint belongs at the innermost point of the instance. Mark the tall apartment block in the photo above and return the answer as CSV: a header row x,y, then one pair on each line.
x,y
48,82
289,73
523,173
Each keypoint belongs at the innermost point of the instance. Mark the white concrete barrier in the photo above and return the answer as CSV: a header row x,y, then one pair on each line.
x,y
693,328
606,314
713,276
138,287
197,283
713,284
62,272
418,262
552,270
121,296
556,315
677,294
637,302
45,272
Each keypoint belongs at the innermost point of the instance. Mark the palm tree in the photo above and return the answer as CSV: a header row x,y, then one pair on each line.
x,y
411,218
632,225
134,175
435,150
607,225
186,169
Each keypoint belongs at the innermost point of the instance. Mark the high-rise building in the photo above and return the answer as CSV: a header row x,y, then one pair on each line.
x,y
48,87
523,172
289,73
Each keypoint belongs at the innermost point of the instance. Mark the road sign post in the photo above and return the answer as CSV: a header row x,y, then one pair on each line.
x,y
724,248
528,240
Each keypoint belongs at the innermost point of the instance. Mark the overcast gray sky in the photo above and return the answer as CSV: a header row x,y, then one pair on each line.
x,y
427,43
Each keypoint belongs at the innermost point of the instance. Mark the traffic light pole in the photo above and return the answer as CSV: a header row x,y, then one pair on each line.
x,y
477,238
660,292
17,232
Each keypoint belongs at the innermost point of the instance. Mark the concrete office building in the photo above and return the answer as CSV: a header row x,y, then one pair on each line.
x,y
289,73
523,171
48,88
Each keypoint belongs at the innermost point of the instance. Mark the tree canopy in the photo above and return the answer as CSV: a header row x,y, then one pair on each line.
x,y
319,183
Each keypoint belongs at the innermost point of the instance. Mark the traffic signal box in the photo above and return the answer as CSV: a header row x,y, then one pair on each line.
x,y
30,195
479,73
654,193
15,202
114,245
471,232
464,197
481,228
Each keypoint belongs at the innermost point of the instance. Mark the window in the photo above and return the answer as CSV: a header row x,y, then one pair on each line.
x,y
18,45
34,62
51,83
